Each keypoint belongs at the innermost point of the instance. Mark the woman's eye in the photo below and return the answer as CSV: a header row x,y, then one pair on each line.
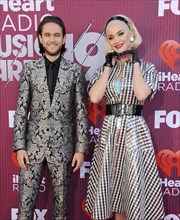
x,y
121,33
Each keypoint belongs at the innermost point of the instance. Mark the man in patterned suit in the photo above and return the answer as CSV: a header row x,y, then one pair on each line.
x,y
51,89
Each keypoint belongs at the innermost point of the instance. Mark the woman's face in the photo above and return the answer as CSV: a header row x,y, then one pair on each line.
x,y
118,36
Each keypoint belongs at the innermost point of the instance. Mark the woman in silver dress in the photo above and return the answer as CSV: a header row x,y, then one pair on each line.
x,y
124,180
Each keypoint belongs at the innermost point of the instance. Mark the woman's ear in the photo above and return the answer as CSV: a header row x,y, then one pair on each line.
x,y
132,39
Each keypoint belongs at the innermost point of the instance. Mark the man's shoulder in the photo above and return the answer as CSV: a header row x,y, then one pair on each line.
x,y
35,63
70,65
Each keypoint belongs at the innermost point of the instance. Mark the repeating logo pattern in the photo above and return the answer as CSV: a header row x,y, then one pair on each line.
x,y
14,159
168,52
167,159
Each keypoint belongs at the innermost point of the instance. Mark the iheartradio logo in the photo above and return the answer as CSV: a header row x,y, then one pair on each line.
x,y
14,159
96,111
168,52
167,159
83,207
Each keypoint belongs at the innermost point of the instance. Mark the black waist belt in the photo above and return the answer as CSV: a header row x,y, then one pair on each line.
x,y
123,109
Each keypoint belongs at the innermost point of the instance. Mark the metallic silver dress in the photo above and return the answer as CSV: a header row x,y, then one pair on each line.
x,y
123,175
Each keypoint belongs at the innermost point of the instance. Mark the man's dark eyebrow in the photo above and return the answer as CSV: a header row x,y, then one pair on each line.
x,y
54,33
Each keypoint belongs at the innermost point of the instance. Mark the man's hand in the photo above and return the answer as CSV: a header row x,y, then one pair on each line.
x,y
22,159
77,161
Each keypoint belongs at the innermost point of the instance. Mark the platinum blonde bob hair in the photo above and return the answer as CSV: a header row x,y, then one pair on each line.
x,y
137,37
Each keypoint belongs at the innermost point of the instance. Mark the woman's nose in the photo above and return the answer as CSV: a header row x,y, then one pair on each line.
x,y
116,39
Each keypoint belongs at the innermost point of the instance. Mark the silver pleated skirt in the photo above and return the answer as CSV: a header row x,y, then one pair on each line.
x,y
123,175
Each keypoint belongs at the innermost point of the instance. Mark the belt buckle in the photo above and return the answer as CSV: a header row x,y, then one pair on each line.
x,y
129,109
122,109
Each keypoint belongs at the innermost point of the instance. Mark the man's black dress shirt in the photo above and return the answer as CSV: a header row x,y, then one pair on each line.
x,y
52,74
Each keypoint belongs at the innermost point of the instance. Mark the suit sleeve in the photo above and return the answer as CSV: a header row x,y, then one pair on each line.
x,y
81,99
95,77
21,113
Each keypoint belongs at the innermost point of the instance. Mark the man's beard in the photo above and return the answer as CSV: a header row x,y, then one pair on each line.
x,y
55,53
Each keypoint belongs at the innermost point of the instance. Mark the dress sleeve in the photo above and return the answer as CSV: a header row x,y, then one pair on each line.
x,y
94,78
151,78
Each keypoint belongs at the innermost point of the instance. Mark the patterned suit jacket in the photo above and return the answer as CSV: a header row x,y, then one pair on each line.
x,y
47,130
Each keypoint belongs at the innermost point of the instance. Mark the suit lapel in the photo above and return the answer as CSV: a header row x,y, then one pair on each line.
x,y
61,79
42,82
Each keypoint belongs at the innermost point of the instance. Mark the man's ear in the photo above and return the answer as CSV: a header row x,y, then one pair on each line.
x,y
64,39
40,38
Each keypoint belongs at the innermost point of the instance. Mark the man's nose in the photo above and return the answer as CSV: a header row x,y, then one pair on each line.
x,y
52,38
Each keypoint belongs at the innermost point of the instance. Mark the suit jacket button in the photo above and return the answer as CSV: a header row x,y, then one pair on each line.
x,y
47,129
49,115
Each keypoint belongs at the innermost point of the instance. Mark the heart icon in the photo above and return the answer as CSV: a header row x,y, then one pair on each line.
x,y
168,52
167,160
83,207
14,159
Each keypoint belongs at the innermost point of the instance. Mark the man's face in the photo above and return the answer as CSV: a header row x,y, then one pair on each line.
x,y
52,40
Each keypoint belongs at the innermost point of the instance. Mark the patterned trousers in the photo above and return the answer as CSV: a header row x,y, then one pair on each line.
x,y
30,181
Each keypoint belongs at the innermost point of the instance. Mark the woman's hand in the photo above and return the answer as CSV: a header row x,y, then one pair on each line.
x,y
133,52
109,59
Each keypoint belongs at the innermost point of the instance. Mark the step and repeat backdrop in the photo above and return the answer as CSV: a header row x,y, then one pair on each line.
x,y
158,21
